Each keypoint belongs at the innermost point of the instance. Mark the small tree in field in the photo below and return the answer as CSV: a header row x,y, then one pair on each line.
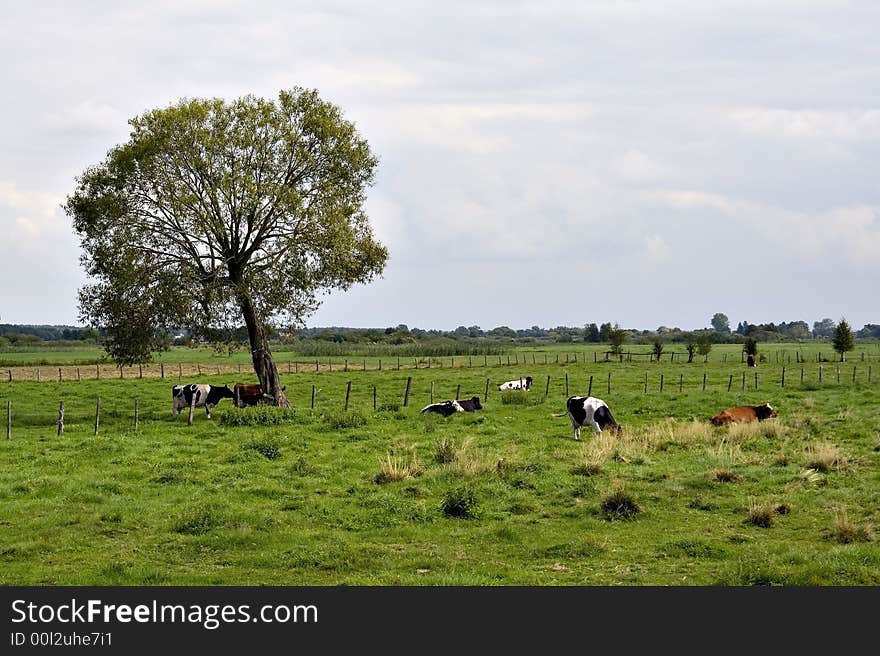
x,y
657,347
220,214
843,339
616,336
704,344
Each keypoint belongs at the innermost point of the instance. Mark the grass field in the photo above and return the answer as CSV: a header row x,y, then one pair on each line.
x,y
503,496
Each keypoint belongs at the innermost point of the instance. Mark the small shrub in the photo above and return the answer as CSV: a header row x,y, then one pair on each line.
x,y
460,502
619,505
700,504
256,415
520,397
198,521
266,446
350,419
388,407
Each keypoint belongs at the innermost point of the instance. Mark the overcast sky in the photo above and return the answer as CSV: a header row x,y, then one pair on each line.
x,y
541,163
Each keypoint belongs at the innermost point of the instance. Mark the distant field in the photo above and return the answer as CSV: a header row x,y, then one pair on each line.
x,y
791,501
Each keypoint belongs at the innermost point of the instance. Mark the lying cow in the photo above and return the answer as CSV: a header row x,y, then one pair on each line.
x,y
447,408
204,395
471,404
744,414
589,411
522,383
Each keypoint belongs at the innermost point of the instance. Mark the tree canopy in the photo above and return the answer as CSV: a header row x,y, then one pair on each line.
x,y
843,339
219,212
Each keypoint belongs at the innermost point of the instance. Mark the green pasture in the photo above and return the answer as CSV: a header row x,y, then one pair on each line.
x,y
503,496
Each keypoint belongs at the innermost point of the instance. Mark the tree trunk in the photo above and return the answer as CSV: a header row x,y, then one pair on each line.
x,y
264,365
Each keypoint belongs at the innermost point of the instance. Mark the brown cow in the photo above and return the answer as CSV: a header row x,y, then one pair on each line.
x,y
744,414
247,394
750,361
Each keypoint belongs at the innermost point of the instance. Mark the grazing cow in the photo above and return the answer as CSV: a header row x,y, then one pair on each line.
x,y
744,414
587,410
204,395
471,404
250,394
522,383
445,408
750,361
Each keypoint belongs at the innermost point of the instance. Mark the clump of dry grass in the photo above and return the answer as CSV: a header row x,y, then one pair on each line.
x,y
808,402
811,477
760,514
587,468
399,466
755,429
781,459
824,457
722,475
463,460
726,452
651,437
845,532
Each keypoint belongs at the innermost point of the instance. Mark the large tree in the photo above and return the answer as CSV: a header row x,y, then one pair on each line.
x,y
720,322
216,213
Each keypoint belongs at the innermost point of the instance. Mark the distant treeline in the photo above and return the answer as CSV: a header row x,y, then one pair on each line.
x,y
464,340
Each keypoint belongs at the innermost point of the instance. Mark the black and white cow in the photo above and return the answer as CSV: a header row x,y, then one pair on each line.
x,y
445,408
522,383
589,411
205,395
471,404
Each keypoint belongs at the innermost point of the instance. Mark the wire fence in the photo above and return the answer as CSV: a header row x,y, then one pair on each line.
x,y
125,413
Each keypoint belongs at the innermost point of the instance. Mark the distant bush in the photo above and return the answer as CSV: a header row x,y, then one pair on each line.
x,y
198,520
257,415
619,505
388,407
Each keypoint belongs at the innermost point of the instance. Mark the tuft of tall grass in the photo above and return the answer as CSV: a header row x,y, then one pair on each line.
x,y
845,532
460,502
824,457
399,467
619,504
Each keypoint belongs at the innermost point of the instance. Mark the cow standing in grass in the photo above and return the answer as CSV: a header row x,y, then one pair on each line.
x,y
589,411
205,395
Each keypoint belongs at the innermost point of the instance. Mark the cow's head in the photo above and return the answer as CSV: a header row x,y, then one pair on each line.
x,y
225,392
528,381
765,411
476,402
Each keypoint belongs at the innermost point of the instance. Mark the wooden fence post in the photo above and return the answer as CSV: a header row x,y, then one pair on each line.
x,y
374,397
783,376
9,372
838,374
744,380
179,371
38,374
730,382
566,384
680,382
136,413
704,381
646,382
590,388
60,417
406,393
820,373
547,389
486,394
432,391
120,372
854,374
457,391
313,397
347,395
756,380
869,374
98,371
346,364
661,382
380,364
199,368
141,371
97,413
77,375
609,382
162,370
59,374
802,375
317,366
9,420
